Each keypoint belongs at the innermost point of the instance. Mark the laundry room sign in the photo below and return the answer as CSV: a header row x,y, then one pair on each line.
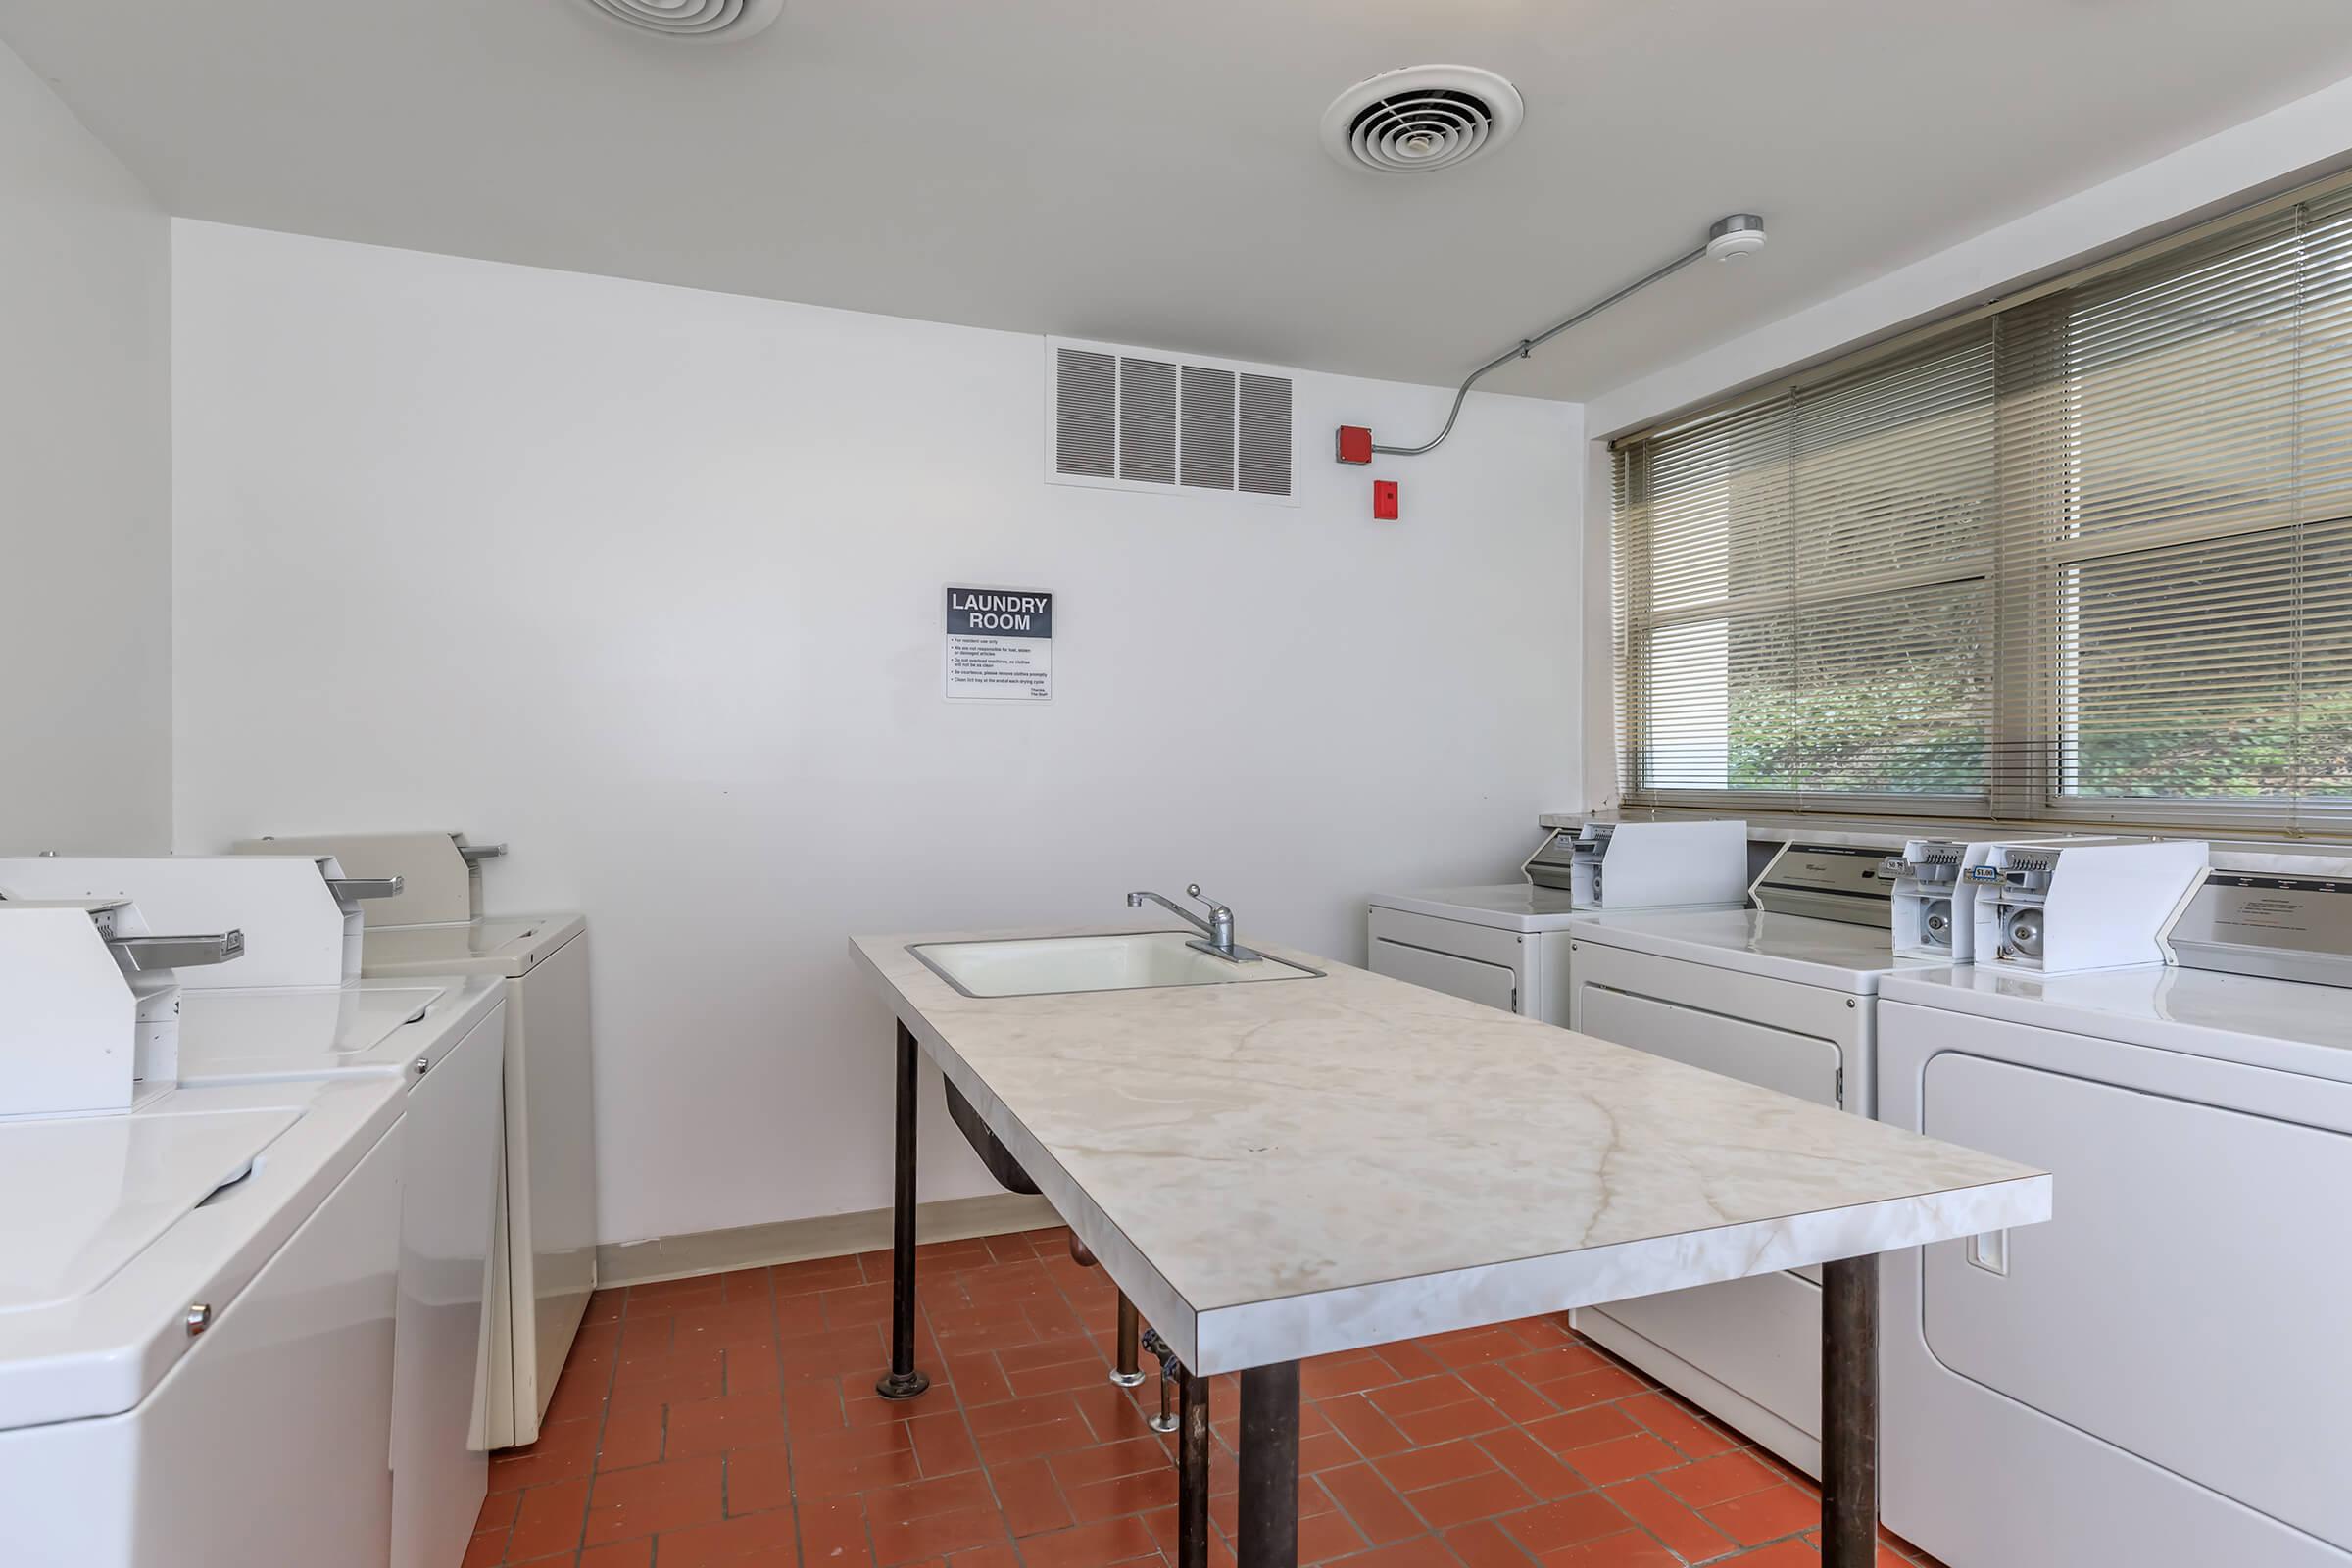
x,y
999,645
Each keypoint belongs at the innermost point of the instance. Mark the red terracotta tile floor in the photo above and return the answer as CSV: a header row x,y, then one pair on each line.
x,y
732,1420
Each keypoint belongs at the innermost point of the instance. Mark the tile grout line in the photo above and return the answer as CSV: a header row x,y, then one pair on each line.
x,y
1129,1394
596,1454
865,1522
727,1465
1591,1486
775,1348
987,1474
1437,1535
1063,1295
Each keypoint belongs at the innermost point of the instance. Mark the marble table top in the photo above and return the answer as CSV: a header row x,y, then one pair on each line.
x,y
1285,1169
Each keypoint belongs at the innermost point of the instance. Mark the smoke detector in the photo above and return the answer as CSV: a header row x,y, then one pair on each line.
x,y
701,21
1421,119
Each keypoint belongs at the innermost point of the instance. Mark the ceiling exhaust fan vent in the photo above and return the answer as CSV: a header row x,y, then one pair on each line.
x,y
701,21
1421,119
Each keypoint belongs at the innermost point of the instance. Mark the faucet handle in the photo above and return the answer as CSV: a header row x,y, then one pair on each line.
x,y
1191,890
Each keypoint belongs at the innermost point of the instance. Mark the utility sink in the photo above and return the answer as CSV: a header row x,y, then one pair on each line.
x,y
1140,960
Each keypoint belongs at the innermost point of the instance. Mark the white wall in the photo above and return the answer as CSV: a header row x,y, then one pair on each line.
x,y
84,487
647,582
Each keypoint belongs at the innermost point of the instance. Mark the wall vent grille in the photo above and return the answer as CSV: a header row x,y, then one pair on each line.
x,y
1085,436
1148,421
1131,420
1208,435
1265,443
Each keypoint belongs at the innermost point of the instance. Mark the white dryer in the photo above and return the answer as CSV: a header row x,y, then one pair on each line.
x,y
1783,995
545,1245
1507,945
2161,1375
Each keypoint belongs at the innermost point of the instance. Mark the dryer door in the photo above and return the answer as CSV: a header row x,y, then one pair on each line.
x,y
1476,962
1799,1064
1806,1041
2187,1302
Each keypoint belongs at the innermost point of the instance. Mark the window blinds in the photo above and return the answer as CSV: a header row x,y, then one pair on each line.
x,y
1804,595
2088,556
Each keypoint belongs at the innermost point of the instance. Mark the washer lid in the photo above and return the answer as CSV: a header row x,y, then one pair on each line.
x,y
503,943
80,1196
111,1239
2288,1025
374,1028
1831,953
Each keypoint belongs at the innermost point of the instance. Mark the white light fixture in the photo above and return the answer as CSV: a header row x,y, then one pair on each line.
x,y
1741,235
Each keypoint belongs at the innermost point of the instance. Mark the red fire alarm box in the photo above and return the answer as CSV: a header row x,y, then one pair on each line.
x,y
1383,500
1355,443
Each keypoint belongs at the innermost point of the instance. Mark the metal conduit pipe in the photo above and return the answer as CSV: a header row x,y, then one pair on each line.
x,y
1740,234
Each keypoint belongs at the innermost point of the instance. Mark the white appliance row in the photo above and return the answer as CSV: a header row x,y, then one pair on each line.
x,y
2168,1350
1507,945
544,1247
241,1308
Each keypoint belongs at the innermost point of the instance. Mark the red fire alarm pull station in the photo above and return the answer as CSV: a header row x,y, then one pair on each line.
x,y
1355,443
1384,501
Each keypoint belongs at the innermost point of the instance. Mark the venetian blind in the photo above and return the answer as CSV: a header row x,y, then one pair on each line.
x,y
1804,600
2089,556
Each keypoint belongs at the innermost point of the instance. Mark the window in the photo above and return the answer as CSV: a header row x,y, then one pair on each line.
x,y
2089,555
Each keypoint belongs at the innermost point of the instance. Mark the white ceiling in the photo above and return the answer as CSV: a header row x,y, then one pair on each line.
x,y
1150,173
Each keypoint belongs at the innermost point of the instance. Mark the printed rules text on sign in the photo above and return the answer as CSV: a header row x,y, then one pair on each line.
x,y
999,645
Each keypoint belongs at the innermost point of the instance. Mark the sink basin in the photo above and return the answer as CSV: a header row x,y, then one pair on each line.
x,y
1139,960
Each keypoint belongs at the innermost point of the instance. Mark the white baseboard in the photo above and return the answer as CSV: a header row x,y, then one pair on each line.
x,y
951,1219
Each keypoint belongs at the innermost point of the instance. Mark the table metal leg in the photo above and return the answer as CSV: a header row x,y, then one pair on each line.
x,y
1129,1370
1849,1412
1192,1475
902,1381
1269,1518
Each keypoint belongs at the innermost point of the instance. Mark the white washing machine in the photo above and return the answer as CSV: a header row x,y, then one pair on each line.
x,y
1507,945
444,1046
198,1294
2162,1375
442,1040
196,1330
545,1246
1783,995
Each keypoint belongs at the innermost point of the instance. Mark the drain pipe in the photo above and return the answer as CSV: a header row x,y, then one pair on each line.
x,y
1171,1372
1740,234
1127,1372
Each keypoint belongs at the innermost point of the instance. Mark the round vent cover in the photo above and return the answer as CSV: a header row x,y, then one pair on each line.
x,y
1421,119
705,20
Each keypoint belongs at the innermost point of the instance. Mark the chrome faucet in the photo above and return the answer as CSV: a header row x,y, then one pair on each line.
x,y
1217,928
